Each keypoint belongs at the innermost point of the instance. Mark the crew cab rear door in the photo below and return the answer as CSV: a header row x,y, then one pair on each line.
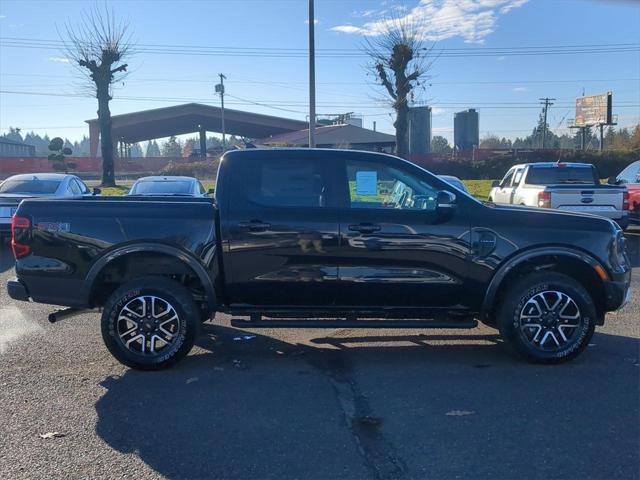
x,y
280,230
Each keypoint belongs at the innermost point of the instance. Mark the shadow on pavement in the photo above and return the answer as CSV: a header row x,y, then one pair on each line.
x,y
6,256
376,407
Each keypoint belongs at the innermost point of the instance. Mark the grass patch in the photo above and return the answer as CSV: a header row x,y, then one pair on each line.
x,y
479,188
116,191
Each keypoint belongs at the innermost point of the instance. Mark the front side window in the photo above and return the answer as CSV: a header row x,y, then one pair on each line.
x,y
374,185
506,181
284,182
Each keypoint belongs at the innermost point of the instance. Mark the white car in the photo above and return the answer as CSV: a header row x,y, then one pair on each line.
x,y
573,187
32,185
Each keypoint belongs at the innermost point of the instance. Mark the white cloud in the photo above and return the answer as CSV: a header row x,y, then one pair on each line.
x,y
346,29
315,21
2,16
59,60
471,20
438,111
501,58
520,89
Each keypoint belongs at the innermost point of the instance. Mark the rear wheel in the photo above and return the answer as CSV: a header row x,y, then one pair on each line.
x,y
547,317
150,323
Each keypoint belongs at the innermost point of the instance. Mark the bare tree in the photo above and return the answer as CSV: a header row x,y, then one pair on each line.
x,y
98,46
400,63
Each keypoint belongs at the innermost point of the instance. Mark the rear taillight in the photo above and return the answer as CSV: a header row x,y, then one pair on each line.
x,y
19,229
625,200
544,199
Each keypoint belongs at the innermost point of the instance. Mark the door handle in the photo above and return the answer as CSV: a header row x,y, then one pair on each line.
x,y
364,227
255,226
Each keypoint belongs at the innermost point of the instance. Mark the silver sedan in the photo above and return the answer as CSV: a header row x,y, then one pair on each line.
x,y
34,185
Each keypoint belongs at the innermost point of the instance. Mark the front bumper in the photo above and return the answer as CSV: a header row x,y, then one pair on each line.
x,y
17,290
618,291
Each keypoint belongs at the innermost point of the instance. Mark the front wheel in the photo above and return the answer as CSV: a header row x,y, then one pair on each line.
x,y
150,323
547,317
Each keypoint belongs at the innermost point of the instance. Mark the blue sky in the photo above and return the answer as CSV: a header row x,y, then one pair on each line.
x,y
504,88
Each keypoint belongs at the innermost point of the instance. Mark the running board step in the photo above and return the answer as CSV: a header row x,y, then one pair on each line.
x,y
235,322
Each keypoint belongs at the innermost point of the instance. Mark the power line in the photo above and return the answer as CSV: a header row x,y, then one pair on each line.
x,y
280,52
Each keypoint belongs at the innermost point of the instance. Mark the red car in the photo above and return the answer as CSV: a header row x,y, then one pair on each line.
x,y
630,177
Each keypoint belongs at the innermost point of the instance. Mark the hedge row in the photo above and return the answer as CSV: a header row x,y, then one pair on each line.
x,y
607,163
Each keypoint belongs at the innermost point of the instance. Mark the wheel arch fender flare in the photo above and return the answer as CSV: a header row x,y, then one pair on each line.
x,y
150,247
520,258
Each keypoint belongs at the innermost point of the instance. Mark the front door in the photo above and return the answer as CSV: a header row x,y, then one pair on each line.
x,y
396,249
505,190
282,230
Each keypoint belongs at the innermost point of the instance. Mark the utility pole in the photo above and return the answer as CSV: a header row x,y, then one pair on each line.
x,y
312,78
220,90
546,102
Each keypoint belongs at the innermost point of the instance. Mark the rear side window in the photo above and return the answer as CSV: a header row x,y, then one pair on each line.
x,y
555,175
73,188
284,182
34,187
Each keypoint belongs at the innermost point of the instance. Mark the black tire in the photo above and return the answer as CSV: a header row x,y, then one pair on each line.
x,y
566,329
149,332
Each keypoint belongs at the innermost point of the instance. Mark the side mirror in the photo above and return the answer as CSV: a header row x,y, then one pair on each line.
x,y
96,191
445,202
612,181
495,184
211,191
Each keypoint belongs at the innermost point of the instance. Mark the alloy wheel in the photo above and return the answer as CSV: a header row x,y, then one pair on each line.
x,y
148,325
550,320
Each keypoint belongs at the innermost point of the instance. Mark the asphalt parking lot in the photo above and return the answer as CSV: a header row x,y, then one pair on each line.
x,y
315,404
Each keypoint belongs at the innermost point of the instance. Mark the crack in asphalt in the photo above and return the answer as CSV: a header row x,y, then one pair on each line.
x,y
378,453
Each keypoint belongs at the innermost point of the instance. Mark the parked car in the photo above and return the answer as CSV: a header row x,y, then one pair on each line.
x,y
302,235
48,185
169,185
630,178
573,187
455,181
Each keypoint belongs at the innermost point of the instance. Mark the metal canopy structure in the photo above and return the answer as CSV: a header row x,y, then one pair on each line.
x,y
190,118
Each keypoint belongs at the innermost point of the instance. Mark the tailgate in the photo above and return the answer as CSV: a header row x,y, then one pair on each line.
x,y
599,201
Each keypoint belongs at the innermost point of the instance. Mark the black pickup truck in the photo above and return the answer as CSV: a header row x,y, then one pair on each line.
x,y
320,238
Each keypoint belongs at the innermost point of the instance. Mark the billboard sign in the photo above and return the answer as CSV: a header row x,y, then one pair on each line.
x,y
593,110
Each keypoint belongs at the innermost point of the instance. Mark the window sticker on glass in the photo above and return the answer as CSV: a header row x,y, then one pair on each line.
x,y
367,183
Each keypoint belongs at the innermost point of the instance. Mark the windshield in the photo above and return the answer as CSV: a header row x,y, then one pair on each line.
x,y
168,187
554,175
30,187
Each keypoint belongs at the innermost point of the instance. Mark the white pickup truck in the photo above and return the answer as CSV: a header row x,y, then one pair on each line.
x,y
573,187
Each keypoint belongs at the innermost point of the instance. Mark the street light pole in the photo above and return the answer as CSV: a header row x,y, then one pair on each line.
x,y
312,78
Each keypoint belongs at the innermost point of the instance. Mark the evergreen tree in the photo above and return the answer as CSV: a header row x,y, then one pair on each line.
x,y
609,137
152,149
136,150
172,148
440,144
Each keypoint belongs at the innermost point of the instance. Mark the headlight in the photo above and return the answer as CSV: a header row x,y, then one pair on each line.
x,y
618,250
